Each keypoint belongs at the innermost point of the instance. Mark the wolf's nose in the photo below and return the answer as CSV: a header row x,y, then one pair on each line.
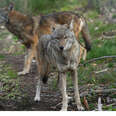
x,y
61,47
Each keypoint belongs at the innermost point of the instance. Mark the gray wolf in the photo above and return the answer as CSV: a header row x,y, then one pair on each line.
x,y
61,50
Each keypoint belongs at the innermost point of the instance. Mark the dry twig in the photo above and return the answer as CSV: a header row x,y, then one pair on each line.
x,y
95,59
89,92
104,70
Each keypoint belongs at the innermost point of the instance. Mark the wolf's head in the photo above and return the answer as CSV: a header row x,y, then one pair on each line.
x,y
4,12
65,35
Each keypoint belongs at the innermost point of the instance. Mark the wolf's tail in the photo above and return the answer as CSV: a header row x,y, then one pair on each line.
x,y
86,36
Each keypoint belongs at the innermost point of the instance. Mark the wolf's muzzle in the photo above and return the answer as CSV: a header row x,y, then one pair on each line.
x,y
61,47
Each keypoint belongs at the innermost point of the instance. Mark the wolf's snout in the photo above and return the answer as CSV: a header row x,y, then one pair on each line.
x,y
61,47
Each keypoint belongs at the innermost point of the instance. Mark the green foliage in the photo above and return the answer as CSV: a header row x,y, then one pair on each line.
x,y
102,48
15,38
114,16
4,3
110,65
105,78
108,108
2,57
92,14
12,73
47,6
101,27
9,82
43,6
54,84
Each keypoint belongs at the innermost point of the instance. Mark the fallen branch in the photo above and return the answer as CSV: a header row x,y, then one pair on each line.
x,y
89,92
81,88
110,104
85,93
95,59
110,33
109,100
104,90
84,87
108,37
104,70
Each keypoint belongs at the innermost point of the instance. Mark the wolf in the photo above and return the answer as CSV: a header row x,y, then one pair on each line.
x,y
29,29
25,28
62,51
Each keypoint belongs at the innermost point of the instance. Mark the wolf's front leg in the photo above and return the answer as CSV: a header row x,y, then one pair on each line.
x,y
38,90
27,63
76,90
63,90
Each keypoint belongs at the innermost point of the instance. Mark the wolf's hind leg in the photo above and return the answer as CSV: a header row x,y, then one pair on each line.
x,y
28,61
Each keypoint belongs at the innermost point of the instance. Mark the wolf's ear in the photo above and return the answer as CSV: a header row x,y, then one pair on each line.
x,y
71,24
11,7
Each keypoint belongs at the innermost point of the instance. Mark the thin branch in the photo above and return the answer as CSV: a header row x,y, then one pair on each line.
x,y
110,104
104,70
95,59
89,92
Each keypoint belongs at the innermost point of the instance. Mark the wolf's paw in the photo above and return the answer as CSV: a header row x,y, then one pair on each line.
x,y
22,73
63,109
80,108
37,99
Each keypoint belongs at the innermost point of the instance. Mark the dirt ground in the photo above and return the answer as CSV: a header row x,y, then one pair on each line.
x,y
50,98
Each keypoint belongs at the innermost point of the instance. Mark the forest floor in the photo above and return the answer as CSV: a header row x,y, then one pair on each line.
x,y
22,97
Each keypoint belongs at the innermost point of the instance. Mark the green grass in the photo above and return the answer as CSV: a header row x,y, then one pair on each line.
x,y
9,81
102,48
105,28
114,16
8,71
2,57
48,6
92,14
11,73
15,39
110,64
109,108
97,23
